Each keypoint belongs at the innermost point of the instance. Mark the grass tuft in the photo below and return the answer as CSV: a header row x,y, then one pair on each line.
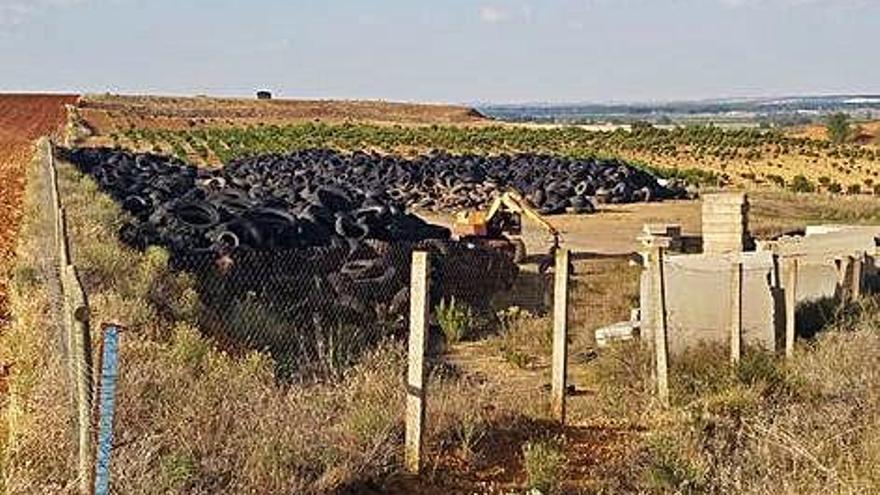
x,y
544,462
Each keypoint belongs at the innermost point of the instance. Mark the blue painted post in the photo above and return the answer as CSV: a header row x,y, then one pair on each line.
x,y
106,406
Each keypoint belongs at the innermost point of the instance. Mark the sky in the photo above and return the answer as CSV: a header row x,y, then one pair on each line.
x,y
456,51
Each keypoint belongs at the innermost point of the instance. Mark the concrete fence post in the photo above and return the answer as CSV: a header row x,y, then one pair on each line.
x,y
843,265
419,314
54,198
63,242
736,279
559,366
661,351
79,338
857,270
790,265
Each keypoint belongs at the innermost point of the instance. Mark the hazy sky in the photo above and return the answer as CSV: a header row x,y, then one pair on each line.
x,y
444,50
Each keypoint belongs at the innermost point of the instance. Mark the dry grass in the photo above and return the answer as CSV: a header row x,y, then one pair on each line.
x,y
192,418
775,213
602,291
810,426
36,418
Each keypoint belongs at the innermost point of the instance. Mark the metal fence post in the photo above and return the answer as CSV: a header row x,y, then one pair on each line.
x,y
419,314
736,278
109,369
560,336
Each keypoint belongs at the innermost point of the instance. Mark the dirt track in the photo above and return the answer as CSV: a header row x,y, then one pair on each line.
x,y
23,118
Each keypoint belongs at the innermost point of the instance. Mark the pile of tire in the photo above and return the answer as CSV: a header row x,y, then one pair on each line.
x,y
322,197
299,249
330,286
439,181
188,209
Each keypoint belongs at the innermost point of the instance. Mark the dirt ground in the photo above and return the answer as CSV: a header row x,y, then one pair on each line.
x,y
611,231
23,118
107,114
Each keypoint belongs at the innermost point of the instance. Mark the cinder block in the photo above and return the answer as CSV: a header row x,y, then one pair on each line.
x,y
725,222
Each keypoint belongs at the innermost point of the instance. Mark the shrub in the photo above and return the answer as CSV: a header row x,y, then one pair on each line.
x,y
457,320
670,469
544,462
839,128
801,184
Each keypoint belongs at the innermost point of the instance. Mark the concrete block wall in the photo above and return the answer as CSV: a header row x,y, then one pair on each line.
x,y
725,223
699,300
818,252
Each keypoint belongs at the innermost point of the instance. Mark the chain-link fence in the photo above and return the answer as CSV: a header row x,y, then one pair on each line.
x,y
314,310
67,321
194,408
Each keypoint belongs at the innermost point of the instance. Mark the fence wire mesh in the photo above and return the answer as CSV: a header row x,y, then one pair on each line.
x,y
316,312
48,241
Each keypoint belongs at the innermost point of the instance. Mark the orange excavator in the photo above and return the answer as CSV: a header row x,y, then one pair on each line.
x,y
500,227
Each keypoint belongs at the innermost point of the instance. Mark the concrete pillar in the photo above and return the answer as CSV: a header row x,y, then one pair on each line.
x,y
725,223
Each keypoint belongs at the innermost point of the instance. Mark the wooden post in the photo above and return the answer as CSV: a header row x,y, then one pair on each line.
x,y
661,351
736,278
415,386
791,277
81,356
560,336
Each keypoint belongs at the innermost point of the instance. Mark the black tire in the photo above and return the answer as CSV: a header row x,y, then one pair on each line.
x,y
347,227
228,240
136,204
197,214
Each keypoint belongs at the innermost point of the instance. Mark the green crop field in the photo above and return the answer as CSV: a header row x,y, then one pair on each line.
x,y
702,154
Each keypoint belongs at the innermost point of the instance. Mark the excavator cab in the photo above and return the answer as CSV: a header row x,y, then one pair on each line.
x,y
503,219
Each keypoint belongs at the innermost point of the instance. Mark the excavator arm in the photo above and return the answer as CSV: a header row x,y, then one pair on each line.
x,y
492,224
515,203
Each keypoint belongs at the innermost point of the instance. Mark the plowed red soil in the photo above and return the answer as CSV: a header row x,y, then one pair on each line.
x,y
23,118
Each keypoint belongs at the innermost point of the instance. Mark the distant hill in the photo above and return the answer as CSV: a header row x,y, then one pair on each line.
x,y
777,110
111,113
